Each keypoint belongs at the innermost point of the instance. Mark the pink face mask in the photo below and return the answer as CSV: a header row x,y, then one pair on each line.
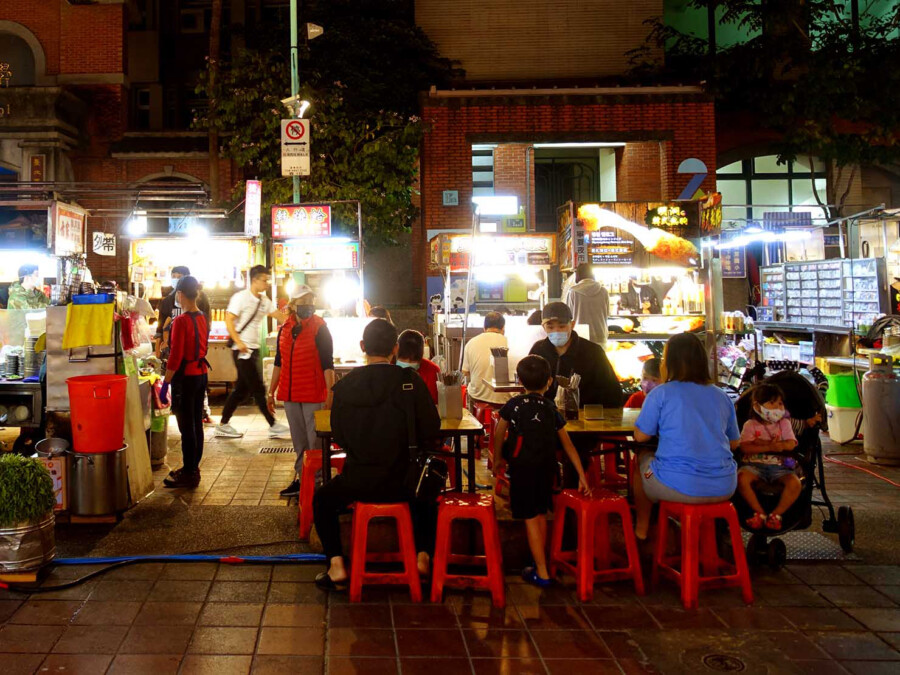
x,y
648,385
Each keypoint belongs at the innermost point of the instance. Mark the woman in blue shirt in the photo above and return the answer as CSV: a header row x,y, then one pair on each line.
x,y
697,430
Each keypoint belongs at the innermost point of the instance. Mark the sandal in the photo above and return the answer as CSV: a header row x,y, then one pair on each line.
x,y
530,575
773,522
757,521
326,583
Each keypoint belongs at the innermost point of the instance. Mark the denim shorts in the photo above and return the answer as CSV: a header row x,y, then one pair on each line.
x,y
770,473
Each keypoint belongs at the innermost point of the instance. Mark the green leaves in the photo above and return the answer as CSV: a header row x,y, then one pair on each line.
x,y
362,77
26,490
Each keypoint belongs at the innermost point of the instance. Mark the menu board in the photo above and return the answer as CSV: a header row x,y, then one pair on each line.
x,y
290,221
610,246
734,262
317,255
521,250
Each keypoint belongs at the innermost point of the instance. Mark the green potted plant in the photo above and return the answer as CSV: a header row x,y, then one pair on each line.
x,y
26,514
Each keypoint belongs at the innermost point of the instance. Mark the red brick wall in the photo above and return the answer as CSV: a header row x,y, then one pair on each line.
x,y
512,174
75,38
686,127
639,172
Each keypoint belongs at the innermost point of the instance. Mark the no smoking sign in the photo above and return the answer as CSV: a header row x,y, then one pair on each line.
x,y
295,136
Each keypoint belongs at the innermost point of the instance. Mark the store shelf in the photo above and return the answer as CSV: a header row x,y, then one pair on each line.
x,y
801,328
642,337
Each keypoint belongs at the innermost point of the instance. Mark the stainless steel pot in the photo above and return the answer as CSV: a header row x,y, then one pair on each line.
x,y
98,485
27,546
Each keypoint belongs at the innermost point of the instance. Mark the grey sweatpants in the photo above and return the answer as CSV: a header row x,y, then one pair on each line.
x,y
301,419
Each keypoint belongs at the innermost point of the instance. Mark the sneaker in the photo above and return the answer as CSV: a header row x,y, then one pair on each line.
x,y
773,522
182,479
757,521
291,490
227,431
278,430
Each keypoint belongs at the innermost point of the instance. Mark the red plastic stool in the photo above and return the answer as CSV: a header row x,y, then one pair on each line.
x,y
698,548
495,417
483,414
468,507
312,462
608,476
362,514
591,562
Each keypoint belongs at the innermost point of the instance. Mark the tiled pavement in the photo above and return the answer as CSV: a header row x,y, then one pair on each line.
x,y
205,618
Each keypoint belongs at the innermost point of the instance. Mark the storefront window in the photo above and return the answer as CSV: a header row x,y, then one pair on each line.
x,y
752,187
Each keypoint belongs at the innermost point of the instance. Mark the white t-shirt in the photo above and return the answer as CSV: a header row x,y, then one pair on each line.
x,y
245,305
477,362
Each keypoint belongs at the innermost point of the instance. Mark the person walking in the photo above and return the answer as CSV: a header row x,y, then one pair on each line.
x,y
186,373
246,310
303,375
589,302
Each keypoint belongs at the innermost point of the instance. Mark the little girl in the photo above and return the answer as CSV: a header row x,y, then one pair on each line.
x,y
765,436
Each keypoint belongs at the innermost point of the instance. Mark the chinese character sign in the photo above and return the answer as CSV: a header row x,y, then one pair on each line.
x,y
67,228
104,243
290,221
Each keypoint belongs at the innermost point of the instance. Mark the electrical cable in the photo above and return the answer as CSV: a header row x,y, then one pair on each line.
x,y
863,469
113,563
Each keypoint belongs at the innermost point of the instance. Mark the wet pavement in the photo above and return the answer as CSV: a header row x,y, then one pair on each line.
x,y
812,617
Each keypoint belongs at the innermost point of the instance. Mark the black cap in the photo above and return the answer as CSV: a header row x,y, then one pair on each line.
x,y
557,311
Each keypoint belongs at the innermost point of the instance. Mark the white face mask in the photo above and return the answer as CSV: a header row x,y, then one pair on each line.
x,y
769,415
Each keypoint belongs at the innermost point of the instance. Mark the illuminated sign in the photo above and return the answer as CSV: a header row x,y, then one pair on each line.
x,y
66,229
290,221
317,255
500,250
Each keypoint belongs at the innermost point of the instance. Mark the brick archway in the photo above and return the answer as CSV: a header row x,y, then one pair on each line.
x,y
37,50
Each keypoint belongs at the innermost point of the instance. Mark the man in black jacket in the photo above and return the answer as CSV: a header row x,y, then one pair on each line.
x,y
568,354
369,422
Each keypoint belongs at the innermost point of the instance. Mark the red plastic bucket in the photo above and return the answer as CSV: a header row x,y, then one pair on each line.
x,y
97,403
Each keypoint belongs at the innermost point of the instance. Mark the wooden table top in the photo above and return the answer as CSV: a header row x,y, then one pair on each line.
x,y
615,420
468,423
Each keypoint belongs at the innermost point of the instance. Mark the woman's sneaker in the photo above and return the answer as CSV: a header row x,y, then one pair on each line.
x,y
227,431
278,431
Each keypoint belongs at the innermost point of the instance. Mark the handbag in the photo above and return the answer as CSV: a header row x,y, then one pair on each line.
x,y
426,475
230,342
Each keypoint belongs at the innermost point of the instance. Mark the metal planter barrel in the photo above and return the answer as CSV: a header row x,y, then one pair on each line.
x,y
25,547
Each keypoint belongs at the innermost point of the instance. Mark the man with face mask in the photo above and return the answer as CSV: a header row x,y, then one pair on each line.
x,y
26,293
303,375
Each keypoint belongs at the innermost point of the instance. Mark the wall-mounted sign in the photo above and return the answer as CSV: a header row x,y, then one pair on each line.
x,y
104,243
451,197
734,260
609,246
317,255
66,230
252,207
295,135
292,221
38,168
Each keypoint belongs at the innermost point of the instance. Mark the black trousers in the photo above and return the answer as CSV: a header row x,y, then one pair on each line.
x,y
187,401
340,492
249,382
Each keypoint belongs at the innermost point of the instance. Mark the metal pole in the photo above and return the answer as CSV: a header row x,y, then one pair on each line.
x,y
476,225
295,81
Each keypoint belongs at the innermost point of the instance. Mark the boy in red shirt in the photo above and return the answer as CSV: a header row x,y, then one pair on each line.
x,y
411,354
186,372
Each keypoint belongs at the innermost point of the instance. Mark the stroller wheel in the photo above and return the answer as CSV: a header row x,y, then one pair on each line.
x,y
756,550
776,555
846,528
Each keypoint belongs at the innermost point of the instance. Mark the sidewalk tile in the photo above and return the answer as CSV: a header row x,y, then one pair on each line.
x,y
361,666
136,590
855,596
238,591
95,613
168,614
361,642
423,616
29,639
20,664
871,667
508,667
216,665
593,666
293,641
424,666
303,593
496,643
569,644
417,642
156,640
76,664
221,640
819,619
759,618
145,664
877,575
855,646
171,590
620,618
359,616
311,616
830,575
90,640
244,573
820,667
231,614
295,665
190,571
556,617
679,618
46,612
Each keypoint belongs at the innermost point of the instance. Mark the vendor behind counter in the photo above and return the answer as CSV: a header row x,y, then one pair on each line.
x,y
26,293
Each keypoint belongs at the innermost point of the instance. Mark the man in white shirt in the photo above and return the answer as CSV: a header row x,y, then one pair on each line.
x,y
246,310
477,362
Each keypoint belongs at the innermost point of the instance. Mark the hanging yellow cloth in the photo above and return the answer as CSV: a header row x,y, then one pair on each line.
x,y
88,325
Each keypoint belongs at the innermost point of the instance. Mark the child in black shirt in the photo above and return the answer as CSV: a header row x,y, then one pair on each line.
x,y
535,431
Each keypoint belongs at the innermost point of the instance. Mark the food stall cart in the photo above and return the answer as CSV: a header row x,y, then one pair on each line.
x,y
510,274
655,278
306,250
219,261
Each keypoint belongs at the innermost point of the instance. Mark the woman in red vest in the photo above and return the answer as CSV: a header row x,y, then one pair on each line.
x,y
303,375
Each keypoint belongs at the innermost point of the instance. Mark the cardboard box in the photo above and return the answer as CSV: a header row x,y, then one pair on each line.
x,y
57,467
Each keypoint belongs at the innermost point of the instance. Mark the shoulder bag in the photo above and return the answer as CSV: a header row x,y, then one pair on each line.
x,y
230,342
426,475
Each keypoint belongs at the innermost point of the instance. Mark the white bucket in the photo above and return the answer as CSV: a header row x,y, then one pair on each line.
x,y
842,422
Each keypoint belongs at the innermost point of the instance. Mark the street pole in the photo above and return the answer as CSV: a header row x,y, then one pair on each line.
x,y
295,81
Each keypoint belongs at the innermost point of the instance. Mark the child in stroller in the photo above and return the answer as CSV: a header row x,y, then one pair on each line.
x,y
765,437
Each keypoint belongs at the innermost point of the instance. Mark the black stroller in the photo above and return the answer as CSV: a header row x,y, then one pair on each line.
x,y
802,401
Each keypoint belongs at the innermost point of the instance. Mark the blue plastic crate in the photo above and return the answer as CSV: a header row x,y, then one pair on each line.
x,y
93,299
